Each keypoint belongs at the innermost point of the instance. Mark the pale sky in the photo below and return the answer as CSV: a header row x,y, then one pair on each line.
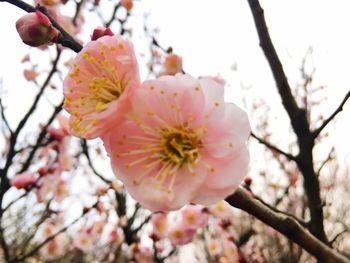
x,y
212,36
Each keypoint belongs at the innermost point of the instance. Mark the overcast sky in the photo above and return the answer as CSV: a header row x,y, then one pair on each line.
x,y
212,36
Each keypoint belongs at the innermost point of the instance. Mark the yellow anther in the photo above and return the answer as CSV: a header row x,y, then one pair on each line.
x,y
120,45
86,55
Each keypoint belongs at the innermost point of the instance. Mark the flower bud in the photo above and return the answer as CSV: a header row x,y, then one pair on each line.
x,y
35,29
100,32
127,4
23,180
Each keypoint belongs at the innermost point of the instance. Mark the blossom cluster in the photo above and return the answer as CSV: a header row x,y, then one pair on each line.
x,y
171,140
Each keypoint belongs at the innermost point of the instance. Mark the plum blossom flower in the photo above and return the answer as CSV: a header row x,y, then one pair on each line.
x,y
53,248
194,217
97,88
84,240
180,235
23,180
116,236
172,65
142,254
179,143
222,210
159,222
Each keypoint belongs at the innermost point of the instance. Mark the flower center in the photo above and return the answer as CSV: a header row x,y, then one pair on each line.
x,y
104,92
179,146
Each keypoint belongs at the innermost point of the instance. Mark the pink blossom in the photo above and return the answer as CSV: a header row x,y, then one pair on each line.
x,y
194,217
53,248
180,143
222,210
142,254
116,236
23,180
159,222
61,190
35,29
172,65
214,247
83,240
65,159
180,235
30,75
97,88
127,4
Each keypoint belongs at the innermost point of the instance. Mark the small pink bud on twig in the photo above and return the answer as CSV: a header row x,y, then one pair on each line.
x,y
35,29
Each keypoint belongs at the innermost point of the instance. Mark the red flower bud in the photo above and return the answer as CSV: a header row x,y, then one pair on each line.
x,y
100,32
248,181
35,29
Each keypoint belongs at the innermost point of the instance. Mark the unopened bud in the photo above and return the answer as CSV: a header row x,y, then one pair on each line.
x,y
35,29
127,4
100,32
248,181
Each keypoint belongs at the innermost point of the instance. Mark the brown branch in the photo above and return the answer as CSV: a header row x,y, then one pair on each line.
x,y
317,131
78,6
3,116
267,46
299,122
273,147
85,151
112,18
285,225
48,239
41,136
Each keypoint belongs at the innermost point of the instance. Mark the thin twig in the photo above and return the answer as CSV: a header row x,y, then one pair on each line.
x,y
317,131
3,116
36,249
112,19
41,136
85,151
273,147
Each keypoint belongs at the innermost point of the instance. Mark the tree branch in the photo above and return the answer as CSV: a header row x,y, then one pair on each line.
x,y
299,122
85,151
273,148
286,225
317,131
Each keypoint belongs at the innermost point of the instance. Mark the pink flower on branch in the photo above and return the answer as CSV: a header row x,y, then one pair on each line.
x,y
172,65
180,143
194,217
98,86
180,235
